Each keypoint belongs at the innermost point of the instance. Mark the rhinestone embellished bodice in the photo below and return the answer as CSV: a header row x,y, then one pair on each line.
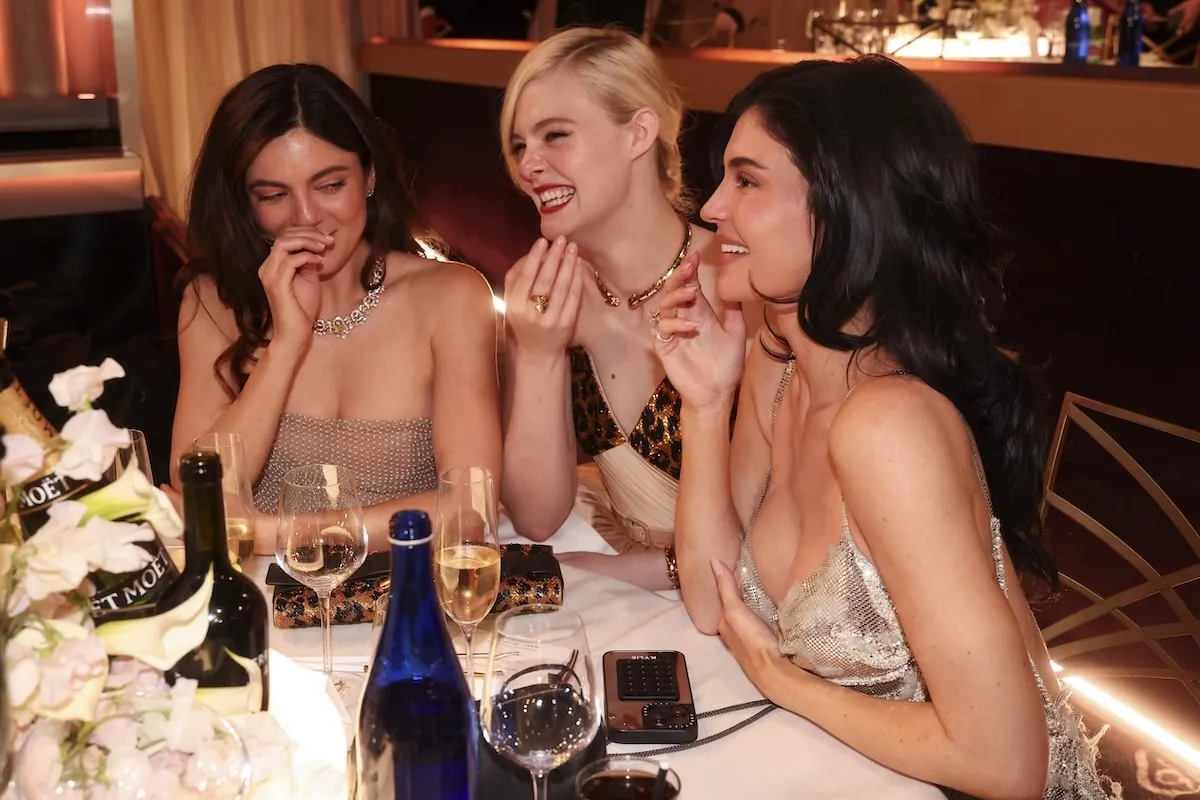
x,y
392,458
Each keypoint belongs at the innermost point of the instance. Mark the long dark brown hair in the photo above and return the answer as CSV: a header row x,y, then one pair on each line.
x,y
901,231
222,230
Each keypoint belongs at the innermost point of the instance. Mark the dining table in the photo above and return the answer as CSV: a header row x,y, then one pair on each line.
x,y
781,755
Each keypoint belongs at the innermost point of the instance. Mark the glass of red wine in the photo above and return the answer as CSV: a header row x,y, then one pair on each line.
x,y
627,778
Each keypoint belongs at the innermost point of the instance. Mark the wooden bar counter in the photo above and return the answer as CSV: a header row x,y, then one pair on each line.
x,y
1149,114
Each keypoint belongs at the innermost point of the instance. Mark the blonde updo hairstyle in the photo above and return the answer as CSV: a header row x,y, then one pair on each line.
x,y
624,76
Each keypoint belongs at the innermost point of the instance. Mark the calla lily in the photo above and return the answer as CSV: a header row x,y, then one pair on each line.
x,y
132,497
163,639
76,388
236,699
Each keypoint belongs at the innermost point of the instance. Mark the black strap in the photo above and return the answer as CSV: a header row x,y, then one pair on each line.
x,y
765,707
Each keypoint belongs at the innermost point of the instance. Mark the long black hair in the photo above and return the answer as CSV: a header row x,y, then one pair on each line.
x,y
221,227
899,234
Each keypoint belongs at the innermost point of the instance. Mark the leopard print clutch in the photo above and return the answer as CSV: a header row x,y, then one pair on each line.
x,y
529,573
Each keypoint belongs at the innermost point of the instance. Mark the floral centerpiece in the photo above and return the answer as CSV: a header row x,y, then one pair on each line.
x,y
87,706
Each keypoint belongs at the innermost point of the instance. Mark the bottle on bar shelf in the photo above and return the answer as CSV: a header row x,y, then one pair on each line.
x,y
231,664
1079,30
1129,42
417,726
133,592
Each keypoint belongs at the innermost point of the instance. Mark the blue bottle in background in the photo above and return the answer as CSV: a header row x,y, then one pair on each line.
x,y
1129,44
417,725
1079,31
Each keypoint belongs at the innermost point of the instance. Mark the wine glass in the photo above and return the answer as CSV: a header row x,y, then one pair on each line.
x,y
235,487
466,551
541,704
321,540
137,455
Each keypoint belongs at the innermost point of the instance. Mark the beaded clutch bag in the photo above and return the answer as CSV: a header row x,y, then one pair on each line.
x,y
529,573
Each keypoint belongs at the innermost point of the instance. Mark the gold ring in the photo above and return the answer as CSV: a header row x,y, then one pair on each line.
x,y
540,302
658,335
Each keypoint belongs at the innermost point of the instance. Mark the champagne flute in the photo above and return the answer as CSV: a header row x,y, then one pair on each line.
x,y
541,704
235,485
466,551
321,539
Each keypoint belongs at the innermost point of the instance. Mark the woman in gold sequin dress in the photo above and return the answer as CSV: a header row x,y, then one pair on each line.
x,y
858,543
311,324
590,125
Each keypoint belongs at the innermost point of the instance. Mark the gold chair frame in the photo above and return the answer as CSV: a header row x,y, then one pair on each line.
x,y
1077,411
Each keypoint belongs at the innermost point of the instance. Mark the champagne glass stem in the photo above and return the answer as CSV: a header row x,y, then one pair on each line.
x,y
541,790
468,635
326,632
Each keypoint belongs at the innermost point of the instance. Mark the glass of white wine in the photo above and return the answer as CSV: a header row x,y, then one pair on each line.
x,y
235,484
321,540
466,551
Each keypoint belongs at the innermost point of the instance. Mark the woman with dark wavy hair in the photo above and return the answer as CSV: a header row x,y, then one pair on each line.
x,y
310,323
859,543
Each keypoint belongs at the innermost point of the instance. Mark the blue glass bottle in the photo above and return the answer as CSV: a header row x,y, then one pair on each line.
x,y
1079,31
417,726
1129,43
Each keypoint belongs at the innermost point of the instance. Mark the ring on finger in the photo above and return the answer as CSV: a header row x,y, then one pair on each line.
x,y
540,302
658,335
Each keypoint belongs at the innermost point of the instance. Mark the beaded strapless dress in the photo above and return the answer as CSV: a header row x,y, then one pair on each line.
x,y
392,458
839,622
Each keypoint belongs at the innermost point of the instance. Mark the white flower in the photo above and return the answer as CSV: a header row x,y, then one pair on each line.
x,y
93,444
117,551
23,458
77,388
69,669
132,497
58,557
41,761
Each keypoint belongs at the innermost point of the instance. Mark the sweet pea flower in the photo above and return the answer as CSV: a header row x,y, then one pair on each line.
x,y
69,669
58,557
117,552
23,458
41,761
78,387
93,442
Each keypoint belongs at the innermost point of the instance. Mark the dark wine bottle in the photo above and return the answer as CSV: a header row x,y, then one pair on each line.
x,y
1129,36
231,664
134,592
417,727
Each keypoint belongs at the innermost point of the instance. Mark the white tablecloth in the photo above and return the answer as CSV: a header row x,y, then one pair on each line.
x,y
779,756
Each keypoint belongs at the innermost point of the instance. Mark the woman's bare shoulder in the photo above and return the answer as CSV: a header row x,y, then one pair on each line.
x,y
201,302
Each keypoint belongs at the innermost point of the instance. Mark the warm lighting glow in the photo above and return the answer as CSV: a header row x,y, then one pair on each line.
x,y
1133,719
933,46
86,95
430,251
98,11
498,304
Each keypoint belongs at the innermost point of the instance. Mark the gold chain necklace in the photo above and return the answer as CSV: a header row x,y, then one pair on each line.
x,y
635,300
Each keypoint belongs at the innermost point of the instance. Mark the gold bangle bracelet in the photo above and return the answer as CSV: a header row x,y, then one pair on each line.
x,y
672,569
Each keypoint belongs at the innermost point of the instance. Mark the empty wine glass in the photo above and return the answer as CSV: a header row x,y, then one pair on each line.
x,y
235,488
541,704
466,551
321,539
137,455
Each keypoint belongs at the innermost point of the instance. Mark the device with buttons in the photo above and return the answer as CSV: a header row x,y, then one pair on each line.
x,y
648,698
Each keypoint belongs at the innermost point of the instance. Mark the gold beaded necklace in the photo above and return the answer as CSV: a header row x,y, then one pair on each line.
x,y
635,300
